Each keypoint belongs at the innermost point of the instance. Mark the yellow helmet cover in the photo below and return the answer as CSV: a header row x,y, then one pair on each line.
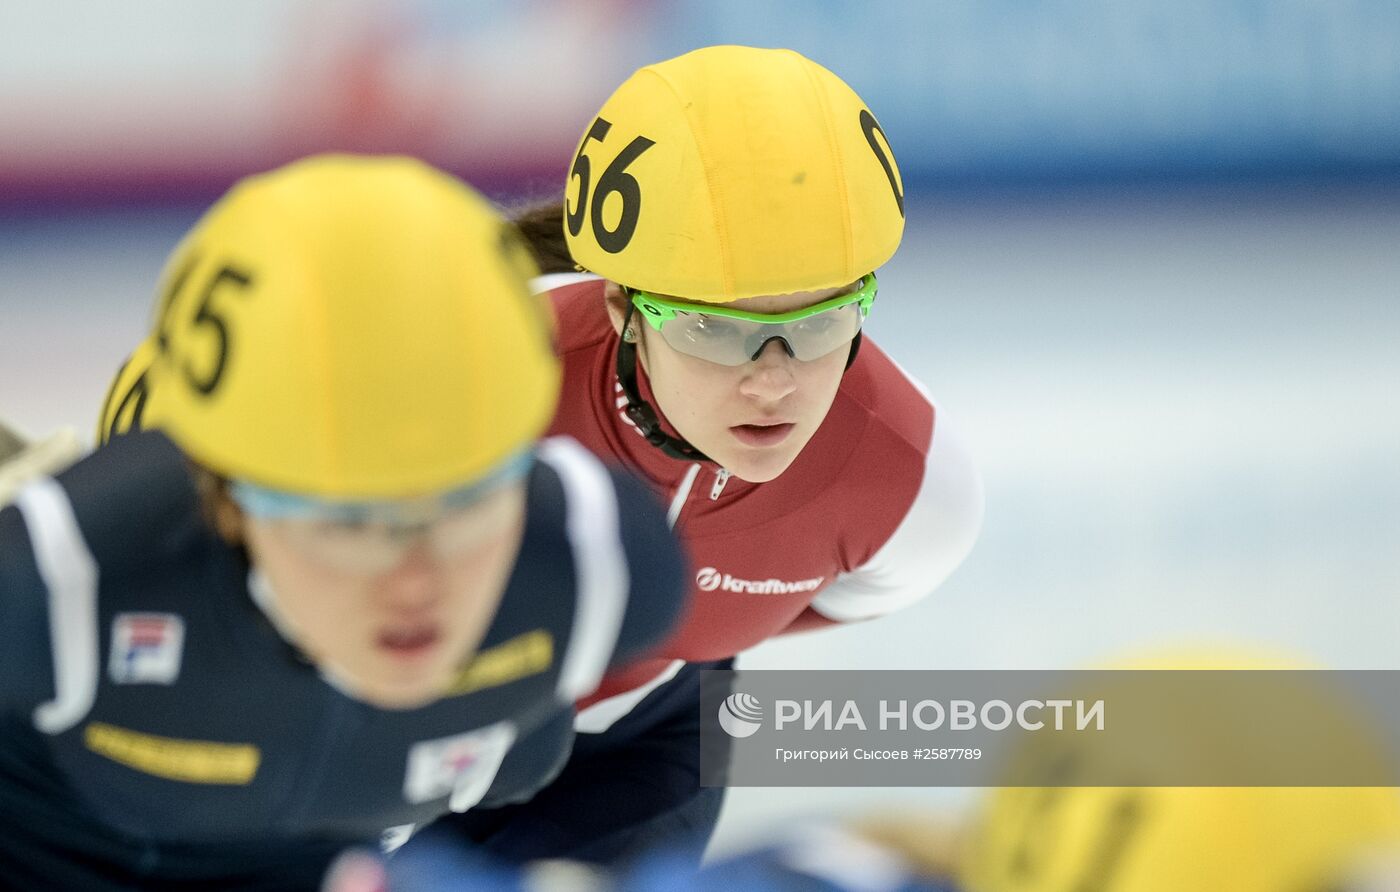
x,y
131,403
1170,839
732,172
352,327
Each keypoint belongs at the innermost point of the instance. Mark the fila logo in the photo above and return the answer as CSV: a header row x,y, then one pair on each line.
x,y
146,648
708,579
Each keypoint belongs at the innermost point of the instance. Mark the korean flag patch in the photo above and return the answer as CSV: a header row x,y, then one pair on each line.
x,y
462,766
146,648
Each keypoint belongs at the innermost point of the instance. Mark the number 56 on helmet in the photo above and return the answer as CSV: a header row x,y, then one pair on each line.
x,y
732,172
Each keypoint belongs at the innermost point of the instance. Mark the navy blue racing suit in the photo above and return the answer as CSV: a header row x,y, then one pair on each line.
x,y
157,732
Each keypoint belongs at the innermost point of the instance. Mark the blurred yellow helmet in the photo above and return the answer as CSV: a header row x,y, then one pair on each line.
x,y
354,328
1166,839
1170,839
733,172
131,403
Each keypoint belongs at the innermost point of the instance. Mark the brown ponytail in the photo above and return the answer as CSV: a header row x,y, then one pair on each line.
x,y
216,505
542,225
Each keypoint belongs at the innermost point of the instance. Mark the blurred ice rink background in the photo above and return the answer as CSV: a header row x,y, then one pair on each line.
x,y
1152,269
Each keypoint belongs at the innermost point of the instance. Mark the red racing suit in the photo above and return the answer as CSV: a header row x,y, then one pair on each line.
x,y
877,510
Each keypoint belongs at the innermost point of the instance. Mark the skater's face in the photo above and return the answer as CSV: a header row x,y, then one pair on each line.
x,y
391,612
754,418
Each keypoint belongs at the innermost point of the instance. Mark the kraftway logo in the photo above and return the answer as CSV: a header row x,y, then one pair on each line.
x,y
740,715
709,579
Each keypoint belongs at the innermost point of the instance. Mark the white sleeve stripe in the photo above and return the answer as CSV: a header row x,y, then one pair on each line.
x,y
601,716
682,493
916,384
69,572
550,281
930,542
600,565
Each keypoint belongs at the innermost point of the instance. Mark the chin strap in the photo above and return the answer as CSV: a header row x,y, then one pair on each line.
x,y
644,416
640,411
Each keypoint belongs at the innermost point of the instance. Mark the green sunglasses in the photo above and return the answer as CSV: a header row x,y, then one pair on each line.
x,y
733,337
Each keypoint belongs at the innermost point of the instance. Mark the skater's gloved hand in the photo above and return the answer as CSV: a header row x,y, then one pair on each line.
x,y
22,460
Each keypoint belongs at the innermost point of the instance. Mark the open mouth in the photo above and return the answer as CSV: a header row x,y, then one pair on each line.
x,y
409,642
762,434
